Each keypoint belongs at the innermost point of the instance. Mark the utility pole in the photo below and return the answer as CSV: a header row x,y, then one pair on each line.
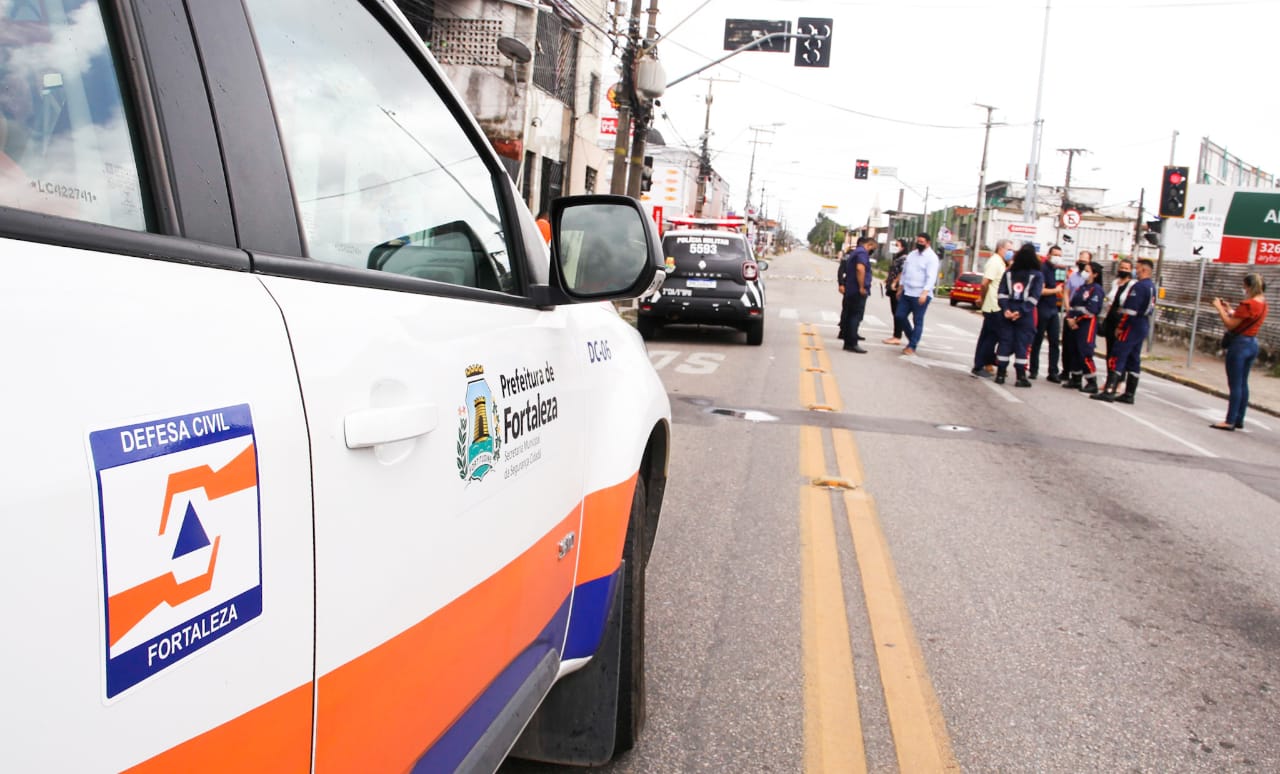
x,y
625,99
982,187
642,108
1071,156
1137,226
704,159
1029,213
755,140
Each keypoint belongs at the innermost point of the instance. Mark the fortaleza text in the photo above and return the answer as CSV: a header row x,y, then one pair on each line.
x,y
536,413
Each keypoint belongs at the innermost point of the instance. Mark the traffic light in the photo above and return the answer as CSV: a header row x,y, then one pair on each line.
x,y
861,168
813,51
1152,234
646,174
1173,192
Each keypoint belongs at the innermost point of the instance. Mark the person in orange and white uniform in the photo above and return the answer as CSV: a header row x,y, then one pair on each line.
x,y
1082,322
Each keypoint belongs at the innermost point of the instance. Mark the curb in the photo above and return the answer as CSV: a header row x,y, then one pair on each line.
x,y
1192,383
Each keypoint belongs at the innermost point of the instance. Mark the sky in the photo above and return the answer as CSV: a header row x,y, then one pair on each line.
x,y
1121,76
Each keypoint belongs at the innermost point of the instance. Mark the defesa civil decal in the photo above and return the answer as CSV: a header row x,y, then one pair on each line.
x,y
180,531
488,435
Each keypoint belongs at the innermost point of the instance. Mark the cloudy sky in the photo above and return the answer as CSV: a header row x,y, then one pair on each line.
x,y
1120,77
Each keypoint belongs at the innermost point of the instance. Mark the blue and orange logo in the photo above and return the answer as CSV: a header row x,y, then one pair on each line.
x,y
180,530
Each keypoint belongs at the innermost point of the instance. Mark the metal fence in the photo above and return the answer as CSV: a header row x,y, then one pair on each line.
x,y
1175,312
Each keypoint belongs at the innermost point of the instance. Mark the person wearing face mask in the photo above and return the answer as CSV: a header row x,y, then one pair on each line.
x,y
919,274
891,282
1047,323
1019,295
1134,326
984,354
1082,323
1074,281
1119,288
1242,327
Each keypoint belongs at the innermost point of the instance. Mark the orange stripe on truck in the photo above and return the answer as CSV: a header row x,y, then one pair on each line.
x,y
383,709
604,530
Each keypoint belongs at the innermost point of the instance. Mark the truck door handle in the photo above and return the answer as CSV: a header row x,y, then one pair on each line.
x,y
375,426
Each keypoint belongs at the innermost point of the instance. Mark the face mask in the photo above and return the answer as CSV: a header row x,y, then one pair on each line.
x,y
1088,277
920,247
1081,266
1123,274
1008,256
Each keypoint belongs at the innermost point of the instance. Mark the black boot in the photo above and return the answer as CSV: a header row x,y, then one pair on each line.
x,y
1021,373
1109,390
1000,372
1072,382
1090,386
1130,387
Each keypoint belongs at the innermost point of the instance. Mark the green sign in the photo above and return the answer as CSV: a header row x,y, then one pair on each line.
x,y
1254,215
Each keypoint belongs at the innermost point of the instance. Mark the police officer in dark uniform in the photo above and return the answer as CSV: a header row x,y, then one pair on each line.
x,y
854,277
1082,324
1131,332
1019,295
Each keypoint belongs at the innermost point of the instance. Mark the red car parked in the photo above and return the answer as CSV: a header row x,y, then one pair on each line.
x,y
968,287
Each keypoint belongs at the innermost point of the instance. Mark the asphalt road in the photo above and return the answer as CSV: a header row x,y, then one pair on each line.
x,y
878,562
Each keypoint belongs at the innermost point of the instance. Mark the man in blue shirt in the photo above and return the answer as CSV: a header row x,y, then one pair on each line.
x,y
919,275
854,278
1047,323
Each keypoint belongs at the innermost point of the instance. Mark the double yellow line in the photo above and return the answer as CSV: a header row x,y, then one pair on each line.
x,y
833,725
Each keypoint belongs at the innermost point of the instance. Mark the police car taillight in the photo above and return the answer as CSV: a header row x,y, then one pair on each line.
x,y
750,271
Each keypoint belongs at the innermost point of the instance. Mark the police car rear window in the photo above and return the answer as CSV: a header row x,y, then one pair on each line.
x,y
688,250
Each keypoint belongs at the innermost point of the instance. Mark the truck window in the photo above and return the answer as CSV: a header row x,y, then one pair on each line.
x,y
65,142
384,176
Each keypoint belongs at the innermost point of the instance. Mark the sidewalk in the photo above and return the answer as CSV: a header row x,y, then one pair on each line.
x,y
1208,374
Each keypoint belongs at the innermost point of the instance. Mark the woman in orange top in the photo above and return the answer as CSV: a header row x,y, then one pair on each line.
x,y
1242,329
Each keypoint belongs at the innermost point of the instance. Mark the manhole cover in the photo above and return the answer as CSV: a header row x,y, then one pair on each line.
x,y
954,428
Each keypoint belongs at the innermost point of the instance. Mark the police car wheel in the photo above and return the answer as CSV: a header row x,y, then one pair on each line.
x,y
755,333
631,683
647,327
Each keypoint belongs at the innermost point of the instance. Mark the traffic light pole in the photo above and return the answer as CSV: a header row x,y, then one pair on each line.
x,y
747,47
1173,146
641,109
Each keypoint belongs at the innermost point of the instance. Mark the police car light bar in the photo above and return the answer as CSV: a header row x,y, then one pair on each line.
x,y
710,222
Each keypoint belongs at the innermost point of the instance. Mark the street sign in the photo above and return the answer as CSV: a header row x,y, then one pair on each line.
x,y
609,125
740,32
1206,234
1268,252
885,171
1071,219
1022,229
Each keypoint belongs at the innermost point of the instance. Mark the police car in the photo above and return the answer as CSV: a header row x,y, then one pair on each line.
x,y
713,278
318,459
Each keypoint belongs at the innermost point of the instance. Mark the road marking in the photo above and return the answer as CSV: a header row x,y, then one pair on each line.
x,y
1000,390
695,363
919,731
1162,431
832,724
787,313
829,316
956,329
